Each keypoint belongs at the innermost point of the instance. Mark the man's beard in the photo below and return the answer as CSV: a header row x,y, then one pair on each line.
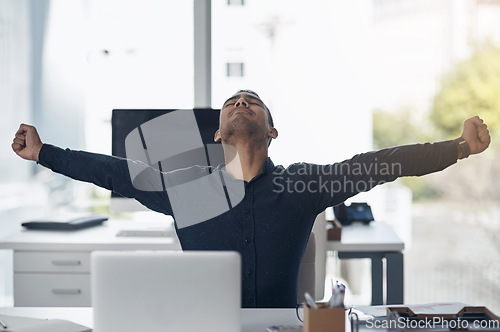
x,y
240,128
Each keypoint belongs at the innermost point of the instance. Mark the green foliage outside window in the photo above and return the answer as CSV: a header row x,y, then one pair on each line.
x,y
471,87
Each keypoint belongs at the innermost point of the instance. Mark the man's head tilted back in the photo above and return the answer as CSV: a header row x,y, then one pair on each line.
x,y
269,116
244,117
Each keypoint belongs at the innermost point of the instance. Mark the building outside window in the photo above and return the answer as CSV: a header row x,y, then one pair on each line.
x,y
235,69
235,2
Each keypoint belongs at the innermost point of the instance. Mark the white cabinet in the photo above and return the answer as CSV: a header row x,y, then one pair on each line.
x,y
51,262
51,279
52,269
51,290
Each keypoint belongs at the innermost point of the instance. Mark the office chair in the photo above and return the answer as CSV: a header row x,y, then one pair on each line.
x,y
307,272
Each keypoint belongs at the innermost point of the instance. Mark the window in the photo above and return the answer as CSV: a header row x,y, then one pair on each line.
x,y
235,69
235,2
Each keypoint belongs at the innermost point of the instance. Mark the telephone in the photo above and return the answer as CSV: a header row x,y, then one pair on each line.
x,y
346,214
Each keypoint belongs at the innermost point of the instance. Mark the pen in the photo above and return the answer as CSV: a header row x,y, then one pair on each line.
x,y
338,294
310,301
3,324
340,301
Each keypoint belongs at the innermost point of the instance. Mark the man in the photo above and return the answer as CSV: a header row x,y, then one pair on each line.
x,y
270,225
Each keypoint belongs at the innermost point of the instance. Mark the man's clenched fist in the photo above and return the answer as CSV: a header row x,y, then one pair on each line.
x,y
476,134
26,143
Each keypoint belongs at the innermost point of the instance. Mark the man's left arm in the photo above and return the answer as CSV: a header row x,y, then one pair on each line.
x,y
365,171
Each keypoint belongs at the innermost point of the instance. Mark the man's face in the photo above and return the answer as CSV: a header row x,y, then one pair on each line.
x,y
243,115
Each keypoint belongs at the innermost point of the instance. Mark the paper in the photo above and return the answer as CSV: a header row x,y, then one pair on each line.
x,y
24,324
441,308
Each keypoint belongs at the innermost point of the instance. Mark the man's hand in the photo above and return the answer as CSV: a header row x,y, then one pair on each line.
x,y
476,134
27,143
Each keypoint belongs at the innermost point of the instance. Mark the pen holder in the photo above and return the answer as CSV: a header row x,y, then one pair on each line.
x,y
324,318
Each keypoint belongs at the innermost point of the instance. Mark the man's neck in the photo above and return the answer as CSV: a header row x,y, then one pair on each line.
x,y
245,161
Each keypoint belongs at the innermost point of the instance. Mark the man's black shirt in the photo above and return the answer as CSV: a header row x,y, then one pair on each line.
x,y
271,224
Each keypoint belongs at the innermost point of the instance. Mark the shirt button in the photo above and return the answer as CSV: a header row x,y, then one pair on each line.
x,y
250,272
247,241
246,211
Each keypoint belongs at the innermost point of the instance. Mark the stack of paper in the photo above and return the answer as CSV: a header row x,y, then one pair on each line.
x,y
24,324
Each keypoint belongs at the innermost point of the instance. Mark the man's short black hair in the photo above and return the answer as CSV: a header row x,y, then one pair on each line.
x,y
269,116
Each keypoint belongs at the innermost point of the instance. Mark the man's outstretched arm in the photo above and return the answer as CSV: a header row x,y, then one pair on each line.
x,y
366,170
105,171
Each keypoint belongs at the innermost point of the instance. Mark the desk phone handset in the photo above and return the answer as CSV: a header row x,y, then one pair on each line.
x,y
347,214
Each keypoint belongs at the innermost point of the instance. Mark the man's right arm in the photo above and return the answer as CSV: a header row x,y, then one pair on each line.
x,y
104,171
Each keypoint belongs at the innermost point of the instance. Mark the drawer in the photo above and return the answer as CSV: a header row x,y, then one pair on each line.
x,y
51,290
51,261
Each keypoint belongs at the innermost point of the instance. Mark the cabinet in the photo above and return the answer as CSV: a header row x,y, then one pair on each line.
x,y
51,278
52,268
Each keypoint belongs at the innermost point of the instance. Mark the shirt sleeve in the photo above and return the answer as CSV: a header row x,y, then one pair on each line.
x,y
112,173
362,172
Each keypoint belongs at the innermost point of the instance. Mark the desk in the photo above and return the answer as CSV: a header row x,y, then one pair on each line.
x,y
52,268
376,241
252,320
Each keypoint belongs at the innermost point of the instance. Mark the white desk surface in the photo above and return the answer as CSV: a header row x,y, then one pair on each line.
x,y
376,236
94,238
252,320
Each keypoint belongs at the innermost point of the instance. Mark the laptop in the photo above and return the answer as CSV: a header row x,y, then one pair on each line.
x,y
166,291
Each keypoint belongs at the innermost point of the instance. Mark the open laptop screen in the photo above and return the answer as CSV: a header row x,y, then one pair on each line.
x,y
166,291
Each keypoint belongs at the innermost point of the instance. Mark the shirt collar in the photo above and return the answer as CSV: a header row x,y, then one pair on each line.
x,y
267,168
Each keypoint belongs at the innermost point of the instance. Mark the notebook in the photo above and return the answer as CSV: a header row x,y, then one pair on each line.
x,y
166,291
66,224
27,324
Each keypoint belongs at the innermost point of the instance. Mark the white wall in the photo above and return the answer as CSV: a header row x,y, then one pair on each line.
x,y
15,76
310,73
